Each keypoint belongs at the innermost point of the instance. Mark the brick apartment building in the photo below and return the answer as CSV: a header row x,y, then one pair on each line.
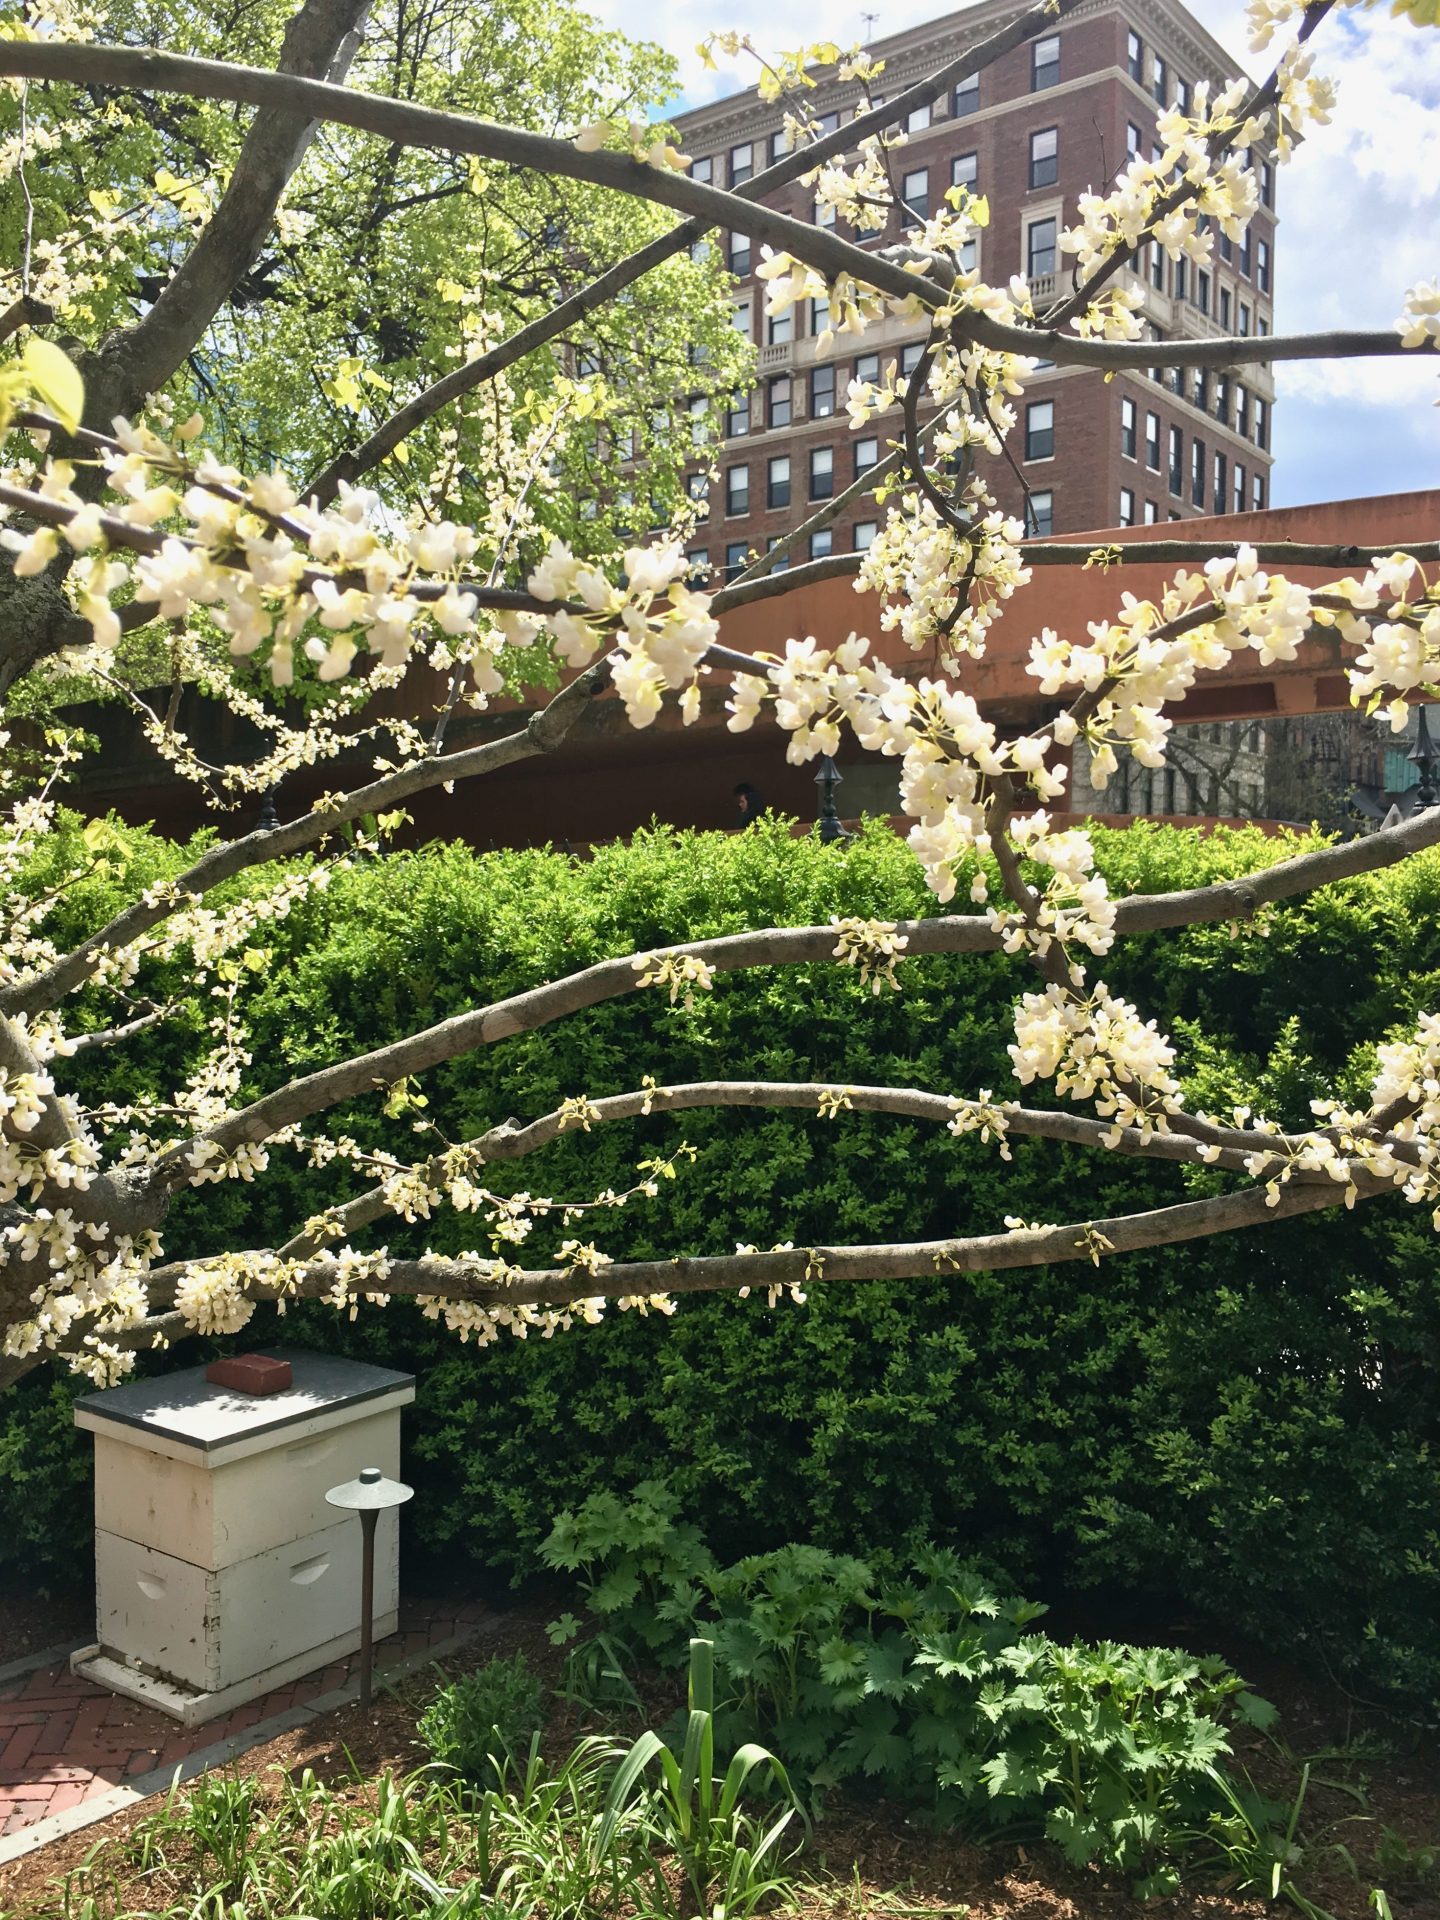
x,y
1042,125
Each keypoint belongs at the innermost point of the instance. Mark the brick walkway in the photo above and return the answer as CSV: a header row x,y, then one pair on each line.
x,y
65,1741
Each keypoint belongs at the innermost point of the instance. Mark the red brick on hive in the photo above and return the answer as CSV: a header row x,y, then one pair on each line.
x,y
250,1373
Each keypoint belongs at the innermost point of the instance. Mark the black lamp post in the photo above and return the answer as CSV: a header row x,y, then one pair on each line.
x,y
369,1496
1422,757
269,819
827,779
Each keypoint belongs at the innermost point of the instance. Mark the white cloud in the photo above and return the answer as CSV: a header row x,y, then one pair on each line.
x,y
1359,211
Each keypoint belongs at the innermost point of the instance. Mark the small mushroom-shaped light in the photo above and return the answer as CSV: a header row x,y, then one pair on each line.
x,y
370,1495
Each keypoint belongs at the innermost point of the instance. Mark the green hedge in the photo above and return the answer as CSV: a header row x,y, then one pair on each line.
x,y
1247,1424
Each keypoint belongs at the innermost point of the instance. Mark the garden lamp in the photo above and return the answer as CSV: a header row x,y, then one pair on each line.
x,y
369,1496
827,779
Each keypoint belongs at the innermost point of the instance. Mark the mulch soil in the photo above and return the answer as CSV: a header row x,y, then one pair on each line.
x,y
871,1860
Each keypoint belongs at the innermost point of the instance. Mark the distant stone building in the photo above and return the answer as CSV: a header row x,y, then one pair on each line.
x,y
1046,122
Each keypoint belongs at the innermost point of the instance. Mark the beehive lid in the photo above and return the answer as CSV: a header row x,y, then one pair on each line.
x,y
184,1414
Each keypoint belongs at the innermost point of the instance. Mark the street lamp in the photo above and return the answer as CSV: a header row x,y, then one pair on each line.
x,y
1422,757
369,1496
827,779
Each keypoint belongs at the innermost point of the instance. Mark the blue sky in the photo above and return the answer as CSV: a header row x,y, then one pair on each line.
x,y
1359,211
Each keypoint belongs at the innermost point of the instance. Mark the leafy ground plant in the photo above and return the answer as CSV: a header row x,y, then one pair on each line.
x,y
925,1684
476,1722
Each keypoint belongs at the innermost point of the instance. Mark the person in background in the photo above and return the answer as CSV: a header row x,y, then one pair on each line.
x,y
749,802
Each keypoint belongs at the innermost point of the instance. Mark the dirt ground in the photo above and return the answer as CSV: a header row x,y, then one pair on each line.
x,y
1369,1771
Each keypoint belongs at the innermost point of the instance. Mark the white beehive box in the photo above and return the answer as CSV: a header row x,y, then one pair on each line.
x,y
220,1572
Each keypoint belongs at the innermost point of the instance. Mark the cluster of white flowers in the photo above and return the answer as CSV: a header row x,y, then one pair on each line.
x,y
681,973
1097,1049
1419,323
875,947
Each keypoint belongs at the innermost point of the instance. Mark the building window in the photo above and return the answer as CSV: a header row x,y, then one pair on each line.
x,y
822,543
740,319
963,171
1244,319
867,368
1152,442
1133,138
1202,290
1267,184
916,192
699,418
1152,513
1135,58
740,254
1044,158
737,416
1242,412
1222,399
917,120
822,392
819,317
1127,506
1045,63
1197,473
1182,95
1202,389
734,559
1239,488
910,357
1245,253
703,171
1127,428
867,454
779,145
1257,493
1262,419
1217,492
780,328
863,537
1177,460
824,213
822,473
1225,309
1040,248
742,164
1162,82
1157,266
737,489
697,486
967,96
1227,248
777,481
1262,265
777,402
1040,430
1040,514
697,564
1182,277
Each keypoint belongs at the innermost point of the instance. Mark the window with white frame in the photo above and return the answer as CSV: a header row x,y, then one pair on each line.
x,y
1152,442
964,171
822,543
1040,514
777,481
915,192
966,98
1127,428
742,163
867,454
1045,63
917,120
822,472
1040,238
737,489
1044,157
1040,430
863,537
822,391
778,401
1127,506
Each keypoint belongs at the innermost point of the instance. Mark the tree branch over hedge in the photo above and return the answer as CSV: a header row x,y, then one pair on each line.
x,y
538,1007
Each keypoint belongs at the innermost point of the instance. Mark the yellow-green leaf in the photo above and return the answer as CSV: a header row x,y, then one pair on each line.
x,y
53,378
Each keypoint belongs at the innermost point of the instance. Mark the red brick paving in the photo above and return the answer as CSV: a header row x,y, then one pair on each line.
x,y
64,1740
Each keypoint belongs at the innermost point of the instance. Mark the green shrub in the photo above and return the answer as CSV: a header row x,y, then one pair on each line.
x,y
484,1718
922,1684
1249,1424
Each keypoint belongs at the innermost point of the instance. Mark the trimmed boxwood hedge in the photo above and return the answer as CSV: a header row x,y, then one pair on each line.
x,y
1248,1425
